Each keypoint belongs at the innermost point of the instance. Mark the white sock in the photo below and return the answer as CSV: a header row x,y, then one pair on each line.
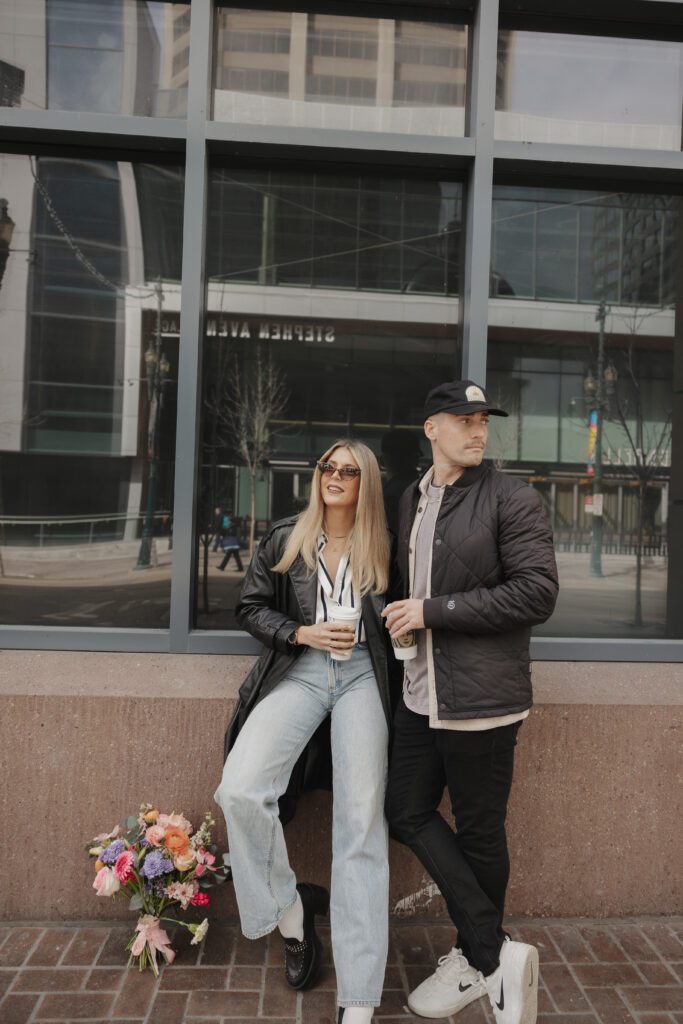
x,y
358,1014
291,924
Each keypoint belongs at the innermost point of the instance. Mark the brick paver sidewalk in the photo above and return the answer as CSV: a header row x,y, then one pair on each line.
x,y
593,972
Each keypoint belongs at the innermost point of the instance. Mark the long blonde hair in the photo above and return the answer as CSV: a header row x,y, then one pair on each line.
x,y
369,543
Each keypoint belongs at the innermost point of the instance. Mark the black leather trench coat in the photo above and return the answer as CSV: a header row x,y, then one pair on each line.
x,y
270,607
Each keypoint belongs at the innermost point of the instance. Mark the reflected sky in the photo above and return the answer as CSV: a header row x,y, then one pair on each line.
x,y
594,79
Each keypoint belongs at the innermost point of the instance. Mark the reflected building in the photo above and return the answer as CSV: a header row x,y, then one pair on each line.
x,y
106,57
77,301
336,70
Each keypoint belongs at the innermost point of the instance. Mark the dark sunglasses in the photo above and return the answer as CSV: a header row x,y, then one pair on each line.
x,y
347,473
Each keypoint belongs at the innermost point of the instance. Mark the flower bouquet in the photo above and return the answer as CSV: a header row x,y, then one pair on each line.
x,y
164,866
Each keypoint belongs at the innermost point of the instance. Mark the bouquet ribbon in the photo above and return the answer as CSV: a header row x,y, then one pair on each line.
x,y
150,933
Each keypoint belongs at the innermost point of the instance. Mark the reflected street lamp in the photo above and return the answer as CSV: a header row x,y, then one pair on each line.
x,y
597,391
157,368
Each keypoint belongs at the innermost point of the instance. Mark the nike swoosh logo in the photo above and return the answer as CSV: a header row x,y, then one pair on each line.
x,y
501,1004
463,988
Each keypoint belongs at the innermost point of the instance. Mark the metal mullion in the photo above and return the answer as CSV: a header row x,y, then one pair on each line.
x,y
71,638
542,648
605,649
474,299
88,128
234,642
225,134
643,161
193,291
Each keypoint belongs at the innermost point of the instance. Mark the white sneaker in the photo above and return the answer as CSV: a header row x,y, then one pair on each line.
x,y
513,986
453,985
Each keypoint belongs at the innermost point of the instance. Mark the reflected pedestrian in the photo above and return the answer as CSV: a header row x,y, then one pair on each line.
x,y
231,547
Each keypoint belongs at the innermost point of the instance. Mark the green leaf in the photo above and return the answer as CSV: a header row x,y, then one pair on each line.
x,y
130,822
136,902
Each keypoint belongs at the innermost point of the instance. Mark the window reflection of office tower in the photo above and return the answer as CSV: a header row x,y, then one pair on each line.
x,y
634,251
118,56
177,28
339,59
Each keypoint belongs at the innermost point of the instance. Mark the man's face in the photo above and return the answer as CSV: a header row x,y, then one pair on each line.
x,y
458,440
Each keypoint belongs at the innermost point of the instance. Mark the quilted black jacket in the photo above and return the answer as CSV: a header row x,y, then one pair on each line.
x,y
493,577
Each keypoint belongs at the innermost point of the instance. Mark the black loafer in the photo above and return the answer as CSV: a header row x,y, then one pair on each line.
x,y
302,959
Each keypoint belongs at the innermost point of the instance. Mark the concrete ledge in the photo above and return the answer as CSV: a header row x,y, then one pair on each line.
x,y
211,677
594,816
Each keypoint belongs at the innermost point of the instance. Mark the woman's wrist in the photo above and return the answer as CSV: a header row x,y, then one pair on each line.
x,y
300,635
294,638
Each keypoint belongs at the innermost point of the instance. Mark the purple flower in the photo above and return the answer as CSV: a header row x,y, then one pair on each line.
x,y
114,849
155,887
156,864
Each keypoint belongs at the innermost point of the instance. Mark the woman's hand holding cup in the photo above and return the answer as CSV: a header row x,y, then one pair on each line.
x,y
334,637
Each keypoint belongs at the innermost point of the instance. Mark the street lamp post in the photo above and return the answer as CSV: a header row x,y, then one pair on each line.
x,y
157,368
597,391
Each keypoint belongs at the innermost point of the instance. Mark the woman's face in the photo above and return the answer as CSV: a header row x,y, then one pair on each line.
x,y
336,491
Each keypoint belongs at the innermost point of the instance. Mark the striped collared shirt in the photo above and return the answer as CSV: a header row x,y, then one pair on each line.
x,y
339,592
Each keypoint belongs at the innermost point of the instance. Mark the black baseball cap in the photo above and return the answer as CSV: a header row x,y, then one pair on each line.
x,y
459,397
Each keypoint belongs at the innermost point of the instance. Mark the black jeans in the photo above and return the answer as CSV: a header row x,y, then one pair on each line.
x,y
470,867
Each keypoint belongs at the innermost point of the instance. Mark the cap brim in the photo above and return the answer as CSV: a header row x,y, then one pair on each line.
x,y
464,409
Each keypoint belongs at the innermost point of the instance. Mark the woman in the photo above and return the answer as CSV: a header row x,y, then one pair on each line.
x,y
336,554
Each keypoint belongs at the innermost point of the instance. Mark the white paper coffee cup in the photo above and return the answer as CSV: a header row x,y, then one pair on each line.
x,y
350,617
405,646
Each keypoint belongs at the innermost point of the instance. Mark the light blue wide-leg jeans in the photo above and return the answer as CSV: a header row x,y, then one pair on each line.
x,y
256,774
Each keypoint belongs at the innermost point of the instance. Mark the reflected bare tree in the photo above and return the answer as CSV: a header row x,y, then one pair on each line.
x,y
253,399
647,441
241,403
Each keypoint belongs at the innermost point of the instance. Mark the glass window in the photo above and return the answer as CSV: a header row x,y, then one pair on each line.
x,y
569,245
338,291
338,71
89,333
113,56
589,90
587,380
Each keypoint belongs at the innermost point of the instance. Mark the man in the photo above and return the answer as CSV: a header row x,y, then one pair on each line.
x,y
476,549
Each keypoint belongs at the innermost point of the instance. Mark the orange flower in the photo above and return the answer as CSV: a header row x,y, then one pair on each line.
x,y
176,840
98,865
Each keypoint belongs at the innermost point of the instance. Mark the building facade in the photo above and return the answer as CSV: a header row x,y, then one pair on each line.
x,y
347,204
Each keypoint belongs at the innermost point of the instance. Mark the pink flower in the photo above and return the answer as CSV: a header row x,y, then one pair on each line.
x,y
184,892
202,899
205,862
155,835
175,821
106,882
124,867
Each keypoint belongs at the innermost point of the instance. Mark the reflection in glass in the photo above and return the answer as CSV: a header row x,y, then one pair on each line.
x,y
575,246
337,71
317,327
112,56
589,90
89,355
589,390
